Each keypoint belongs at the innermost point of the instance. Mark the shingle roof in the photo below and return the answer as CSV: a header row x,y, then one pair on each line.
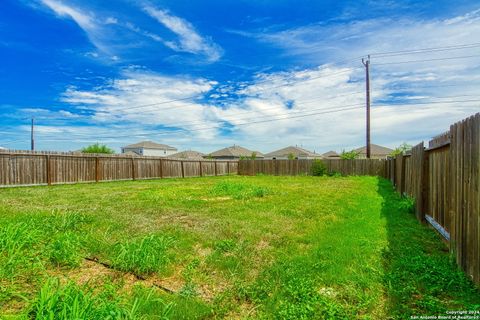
x,y
235,151
375,149
330,154
150,145
296,151
188,154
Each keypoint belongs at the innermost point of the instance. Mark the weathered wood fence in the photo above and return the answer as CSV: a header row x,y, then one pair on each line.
x,y
304,167
444,179
37,168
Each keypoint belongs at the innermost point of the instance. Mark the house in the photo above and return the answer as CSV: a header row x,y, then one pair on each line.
x,y
331,155
234,152
3,149
292,153
376,152
188,154
149,148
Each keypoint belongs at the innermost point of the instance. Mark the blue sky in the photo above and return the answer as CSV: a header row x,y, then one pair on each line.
x,y
206,74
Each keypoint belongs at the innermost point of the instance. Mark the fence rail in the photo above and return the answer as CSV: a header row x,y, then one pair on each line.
x,y
32,168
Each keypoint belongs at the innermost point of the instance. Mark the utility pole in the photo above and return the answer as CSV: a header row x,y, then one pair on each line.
x,y
366,63
31,136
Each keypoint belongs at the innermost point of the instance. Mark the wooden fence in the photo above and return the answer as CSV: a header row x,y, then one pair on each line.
x,y
303,167
444,179
47,168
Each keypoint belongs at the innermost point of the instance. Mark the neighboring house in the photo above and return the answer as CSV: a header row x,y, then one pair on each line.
x,y
149,148
234,152
376,152
3,149
331,155
292,152
188,154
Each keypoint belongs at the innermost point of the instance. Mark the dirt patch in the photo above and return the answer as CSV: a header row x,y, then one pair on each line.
x,y
262,245
181,219
216,199
246,310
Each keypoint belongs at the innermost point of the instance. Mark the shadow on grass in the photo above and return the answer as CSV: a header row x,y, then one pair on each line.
x,y
421,277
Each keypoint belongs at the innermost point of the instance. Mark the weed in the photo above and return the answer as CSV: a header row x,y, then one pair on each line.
x,y
70,301
318,168
225,245
148,255
407,204
64,250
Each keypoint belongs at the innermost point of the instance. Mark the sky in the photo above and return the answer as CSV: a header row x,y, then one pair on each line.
x,y
264,74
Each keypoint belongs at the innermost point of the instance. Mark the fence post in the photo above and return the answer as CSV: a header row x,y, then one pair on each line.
x,y
425,186
201,172
133,168
215,162
49,174
228,168
183,170
97,169
403,176
161,169
253,167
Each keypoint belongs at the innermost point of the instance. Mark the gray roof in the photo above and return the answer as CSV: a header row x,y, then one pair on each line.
x,y
150,145
131,153
296,151
330,154
235,151
375,149
188,154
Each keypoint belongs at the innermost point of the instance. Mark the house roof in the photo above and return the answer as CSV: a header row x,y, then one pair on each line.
x,y
330,154
131,153
235,151
188,154
375,149
150,145
296,151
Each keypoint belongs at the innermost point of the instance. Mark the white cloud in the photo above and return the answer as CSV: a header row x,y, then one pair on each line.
x,y
189,39
86,21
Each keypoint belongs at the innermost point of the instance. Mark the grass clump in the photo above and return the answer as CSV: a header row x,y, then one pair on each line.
x,y
70,301
318,168
238,190
148,255
65,250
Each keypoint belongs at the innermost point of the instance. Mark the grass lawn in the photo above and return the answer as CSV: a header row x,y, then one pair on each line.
x,y
223,247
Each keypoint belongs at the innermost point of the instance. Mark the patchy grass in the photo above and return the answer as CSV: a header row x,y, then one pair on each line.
x,y
223,247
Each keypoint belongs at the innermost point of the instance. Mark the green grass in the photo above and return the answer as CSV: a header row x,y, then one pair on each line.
x,y
223,247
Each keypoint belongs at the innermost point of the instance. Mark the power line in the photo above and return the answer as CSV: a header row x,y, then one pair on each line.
x,y
236,125
426,60
426,50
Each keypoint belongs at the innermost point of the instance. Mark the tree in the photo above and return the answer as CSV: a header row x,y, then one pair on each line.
x,y
401,149
349,154
98,148
253,156
291,156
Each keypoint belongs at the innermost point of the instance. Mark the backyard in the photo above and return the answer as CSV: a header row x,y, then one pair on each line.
x,y
223,247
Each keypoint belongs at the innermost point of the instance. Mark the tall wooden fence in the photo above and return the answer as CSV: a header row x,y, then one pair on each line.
x,y
38,168
444,179
304,166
